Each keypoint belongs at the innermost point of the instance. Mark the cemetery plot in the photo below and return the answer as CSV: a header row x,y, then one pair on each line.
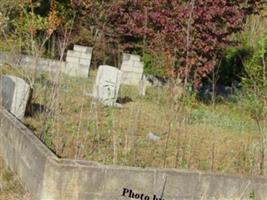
x,y
149,131
82,128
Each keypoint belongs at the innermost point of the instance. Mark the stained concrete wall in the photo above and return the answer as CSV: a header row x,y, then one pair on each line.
x,y
80,69
50,178
42,64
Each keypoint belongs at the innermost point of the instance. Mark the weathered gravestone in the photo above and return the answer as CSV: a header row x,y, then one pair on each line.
x,y
78,61
14,95
142,87
132,69
107,85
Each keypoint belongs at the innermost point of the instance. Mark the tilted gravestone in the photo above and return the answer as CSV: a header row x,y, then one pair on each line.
x,y
14,95
78,61
107,85
132,69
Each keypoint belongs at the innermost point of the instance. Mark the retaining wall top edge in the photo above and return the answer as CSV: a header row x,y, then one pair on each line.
x,y
88,164
28,134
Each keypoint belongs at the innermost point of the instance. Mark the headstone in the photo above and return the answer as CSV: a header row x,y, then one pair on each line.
x,y
14,95
78,61
142,87
132,69
107,85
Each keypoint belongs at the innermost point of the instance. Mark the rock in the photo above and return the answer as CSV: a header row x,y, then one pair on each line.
x,y
153,136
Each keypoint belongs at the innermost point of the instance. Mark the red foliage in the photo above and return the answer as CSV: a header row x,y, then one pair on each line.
x,y
194,32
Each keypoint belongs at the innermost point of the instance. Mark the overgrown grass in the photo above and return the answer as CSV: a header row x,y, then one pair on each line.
x,y
192,135
226,116
10,187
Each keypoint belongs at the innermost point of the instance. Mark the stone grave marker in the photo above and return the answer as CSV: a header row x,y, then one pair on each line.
x,y
132,69
142,87
107,85
78,61
14,95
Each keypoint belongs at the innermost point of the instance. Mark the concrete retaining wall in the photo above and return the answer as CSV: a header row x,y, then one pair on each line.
x,y
50,178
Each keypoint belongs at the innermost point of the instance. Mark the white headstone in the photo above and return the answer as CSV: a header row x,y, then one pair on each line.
x,y
78,61
107,85
14,95
132,69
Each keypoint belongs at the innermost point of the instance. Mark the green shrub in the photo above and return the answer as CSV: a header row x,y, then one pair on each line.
x,y
154,65
231,67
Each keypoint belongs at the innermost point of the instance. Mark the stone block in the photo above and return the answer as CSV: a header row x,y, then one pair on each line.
x,y
84,61
83,49
71,69
14,95
127,63
85,56
83,71
135,58
132,69
127,68
131,78
139,65
126,57
79,59
74,60
72,53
